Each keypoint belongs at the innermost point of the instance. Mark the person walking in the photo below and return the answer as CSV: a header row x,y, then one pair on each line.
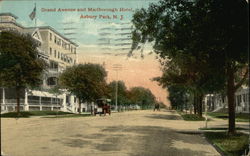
x,y
157,107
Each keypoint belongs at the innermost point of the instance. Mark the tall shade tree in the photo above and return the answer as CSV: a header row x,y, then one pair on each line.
x,y
142,96
177,96
20,66
195,75
213,32
86,81
122,93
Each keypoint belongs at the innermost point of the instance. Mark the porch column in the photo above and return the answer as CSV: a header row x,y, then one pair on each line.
x,y
3,107
242,103
40,103
26,104
51,104
64,104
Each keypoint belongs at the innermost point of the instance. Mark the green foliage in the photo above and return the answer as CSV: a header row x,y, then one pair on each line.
x,y
240,117
122,96
137,95
177,96
142,97
56,90
19,63
32,113
192,117
20,66
15,115
86,81
202,43
70,116
231,145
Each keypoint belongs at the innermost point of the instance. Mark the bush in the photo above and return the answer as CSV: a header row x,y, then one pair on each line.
x,y
14,115
27,114
192,117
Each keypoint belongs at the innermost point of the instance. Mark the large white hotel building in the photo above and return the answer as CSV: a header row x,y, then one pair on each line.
x,y
59,52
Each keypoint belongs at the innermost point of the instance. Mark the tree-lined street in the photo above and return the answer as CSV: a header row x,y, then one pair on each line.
x,y
134,133
202,47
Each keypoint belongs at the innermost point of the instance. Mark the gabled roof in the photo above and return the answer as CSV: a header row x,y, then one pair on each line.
x,y
8,14
34,32
52,29
31,29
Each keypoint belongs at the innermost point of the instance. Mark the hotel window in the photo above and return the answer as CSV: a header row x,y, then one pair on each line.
x,y
59,42
55,53
50,36
50,51
55,39
58,54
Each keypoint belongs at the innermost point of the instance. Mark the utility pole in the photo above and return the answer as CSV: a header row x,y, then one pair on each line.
x,y
116,67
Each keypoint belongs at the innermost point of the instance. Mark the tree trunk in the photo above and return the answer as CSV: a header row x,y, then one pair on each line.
x,y
79,109
195,104
199,102
231,102
18,100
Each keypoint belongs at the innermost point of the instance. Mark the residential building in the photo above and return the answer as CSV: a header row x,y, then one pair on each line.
x,y
218,103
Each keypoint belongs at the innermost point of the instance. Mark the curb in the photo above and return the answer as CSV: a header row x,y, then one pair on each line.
x,y
215,146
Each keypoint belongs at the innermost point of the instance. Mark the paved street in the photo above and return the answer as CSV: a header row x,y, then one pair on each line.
x,y
136,133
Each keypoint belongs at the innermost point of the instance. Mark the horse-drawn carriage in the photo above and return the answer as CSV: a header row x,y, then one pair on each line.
x,y
102,107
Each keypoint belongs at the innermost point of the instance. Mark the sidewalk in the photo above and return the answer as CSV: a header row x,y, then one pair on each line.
x,y
212,123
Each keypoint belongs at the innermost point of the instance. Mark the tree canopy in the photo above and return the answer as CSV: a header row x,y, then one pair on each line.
x,y
19,62
142,96
206,41
86,81
20,65
122,93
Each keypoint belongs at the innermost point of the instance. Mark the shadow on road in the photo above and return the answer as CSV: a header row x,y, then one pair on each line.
x,y
136,141
166,117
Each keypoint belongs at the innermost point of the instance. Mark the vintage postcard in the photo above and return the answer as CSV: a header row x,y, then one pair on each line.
x,y
124,78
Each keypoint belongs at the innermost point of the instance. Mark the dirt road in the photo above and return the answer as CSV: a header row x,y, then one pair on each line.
x,y
136,133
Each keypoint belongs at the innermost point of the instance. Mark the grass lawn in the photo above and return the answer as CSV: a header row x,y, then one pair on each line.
x,y
190,117
230,145
239,117
221,128
27,114
69,116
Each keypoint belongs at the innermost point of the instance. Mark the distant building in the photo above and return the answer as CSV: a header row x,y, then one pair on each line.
x,y
59,52
218,103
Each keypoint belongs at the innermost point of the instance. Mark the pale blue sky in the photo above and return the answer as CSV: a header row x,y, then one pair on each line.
x,y
87,30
